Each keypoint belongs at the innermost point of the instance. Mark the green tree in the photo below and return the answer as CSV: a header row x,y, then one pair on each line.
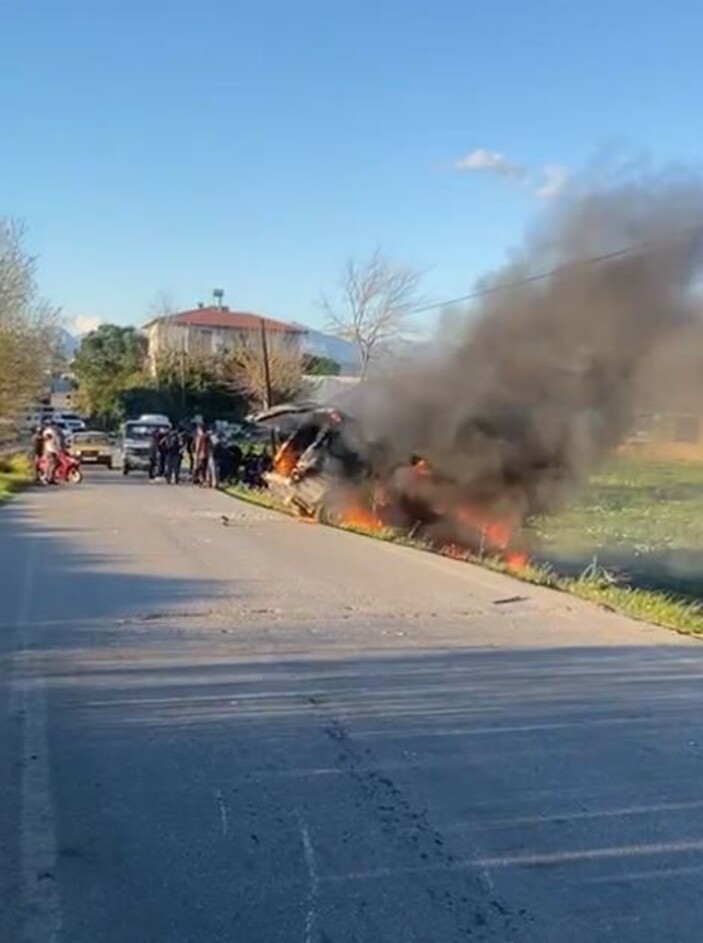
x,y
110,360
29,326
320,366
188,384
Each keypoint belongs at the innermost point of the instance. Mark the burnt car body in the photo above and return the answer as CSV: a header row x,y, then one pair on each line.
x,y
325,464
325,468
320,454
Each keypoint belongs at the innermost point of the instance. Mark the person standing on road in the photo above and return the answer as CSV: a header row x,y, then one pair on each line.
x,y
189,447
215,459
201,455
163,437
174,457
153,454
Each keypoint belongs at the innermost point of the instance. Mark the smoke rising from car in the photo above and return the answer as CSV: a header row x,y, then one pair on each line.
x,y
537,385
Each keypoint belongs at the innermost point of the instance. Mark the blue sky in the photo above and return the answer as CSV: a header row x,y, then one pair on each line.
x,y
256,144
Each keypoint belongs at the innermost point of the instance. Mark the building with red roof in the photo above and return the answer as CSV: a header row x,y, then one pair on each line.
x,y
213,329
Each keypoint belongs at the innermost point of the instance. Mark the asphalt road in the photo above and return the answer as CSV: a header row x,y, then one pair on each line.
x,y
270,731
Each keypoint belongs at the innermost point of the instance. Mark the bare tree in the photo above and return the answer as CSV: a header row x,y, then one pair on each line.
x,y
162,305
29,326
246,369
375,300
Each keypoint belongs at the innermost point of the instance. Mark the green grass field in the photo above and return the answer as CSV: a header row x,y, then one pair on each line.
x,y
641,521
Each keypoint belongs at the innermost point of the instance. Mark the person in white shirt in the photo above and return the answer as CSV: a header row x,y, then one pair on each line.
x,y
52,447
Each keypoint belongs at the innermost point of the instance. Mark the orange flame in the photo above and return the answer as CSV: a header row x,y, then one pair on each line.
x,y
285,459
496,534
356,514
516,559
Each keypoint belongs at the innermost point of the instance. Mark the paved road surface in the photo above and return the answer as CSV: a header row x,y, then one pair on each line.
x,y
269,731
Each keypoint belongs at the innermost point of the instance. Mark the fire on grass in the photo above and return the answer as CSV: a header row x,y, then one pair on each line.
x,y
454,527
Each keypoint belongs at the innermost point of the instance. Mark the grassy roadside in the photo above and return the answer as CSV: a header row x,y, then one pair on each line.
x,y
615,514
636,533
15,473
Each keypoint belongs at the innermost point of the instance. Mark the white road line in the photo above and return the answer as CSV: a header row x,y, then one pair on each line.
x,y
314,884
41,917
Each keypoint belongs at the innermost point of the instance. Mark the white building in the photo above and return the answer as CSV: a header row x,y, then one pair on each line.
x,y
212,330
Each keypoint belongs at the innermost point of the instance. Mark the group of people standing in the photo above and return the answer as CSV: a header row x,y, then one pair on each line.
x,y
202,448
210,459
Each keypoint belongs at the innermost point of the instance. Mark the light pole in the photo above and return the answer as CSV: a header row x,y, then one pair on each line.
x,y
267,368
267,382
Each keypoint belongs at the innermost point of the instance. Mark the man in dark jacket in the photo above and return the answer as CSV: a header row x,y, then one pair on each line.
x,y
154,454
173,448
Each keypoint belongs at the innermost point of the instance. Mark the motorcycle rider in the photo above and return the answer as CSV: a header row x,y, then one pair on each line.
x,y
51,448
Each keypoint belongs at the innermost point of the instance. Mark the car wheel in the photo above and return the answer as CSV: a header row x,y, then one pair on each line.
x,y
326,513
125,469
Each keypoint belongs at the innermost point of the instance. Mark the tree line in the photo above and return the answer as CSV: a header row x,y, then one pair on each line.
x,y
370,307
29,329
116,377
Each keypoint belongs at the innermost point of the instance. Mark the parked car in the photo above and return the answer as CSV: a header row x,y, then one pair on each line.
x,y
69,422
135,441
92,447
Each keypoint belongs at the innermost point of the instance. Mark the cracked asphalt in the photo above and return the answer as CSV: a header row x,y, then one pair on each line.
x,y
262,730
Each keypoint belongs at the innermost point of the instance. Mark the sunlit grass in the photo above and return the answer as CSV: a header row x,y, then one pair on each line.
x,y
15,472
258,496
635,506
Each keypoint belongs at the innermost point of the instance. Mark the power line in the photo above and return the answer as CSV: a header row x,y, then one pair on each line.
x,y
579,263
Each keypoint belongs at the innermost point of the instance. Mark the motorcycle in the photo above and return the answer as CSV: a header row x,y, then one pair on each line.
x,y
68,469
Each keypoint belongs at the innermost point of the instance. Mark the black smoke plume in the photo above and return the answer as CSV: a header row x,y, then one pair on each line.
x,y
537,385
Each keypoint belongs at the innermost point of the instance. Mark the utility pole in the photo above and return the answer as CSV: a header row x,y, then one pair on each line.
x,y
183,379
267,368
267,383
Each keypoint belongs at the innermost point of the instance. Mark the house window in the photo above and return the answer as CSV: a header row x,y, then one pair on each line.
x,y
203,340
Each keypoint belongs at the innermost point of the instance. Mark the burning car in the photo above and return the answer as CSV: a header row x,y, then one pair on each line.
x,y
319,458
327,471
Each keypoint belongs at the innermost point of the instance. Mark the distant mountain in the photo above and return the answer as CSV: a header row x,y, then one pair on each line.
x,y
68,344
319,344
